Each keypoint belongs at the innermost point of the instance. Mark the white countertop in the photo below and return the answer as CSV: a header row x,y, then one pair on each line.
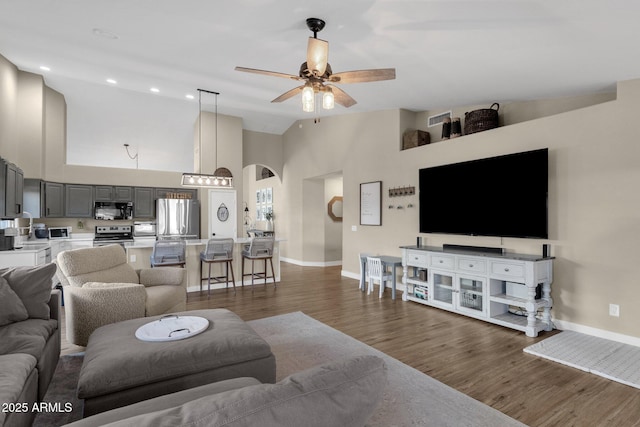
x,y
147,243
30,247
36,245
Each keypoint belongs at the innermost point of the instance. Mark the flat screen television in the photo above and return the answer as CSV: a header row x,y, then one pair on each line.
x,y
502,196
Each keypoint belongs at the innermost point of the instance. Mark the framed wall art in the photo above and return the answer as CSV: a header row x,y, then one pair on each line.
x,y
371,203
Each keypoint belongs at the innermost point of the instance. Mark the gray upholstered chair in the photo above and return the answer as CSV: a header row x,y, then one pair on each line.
x,y
260,249
218,251
101,288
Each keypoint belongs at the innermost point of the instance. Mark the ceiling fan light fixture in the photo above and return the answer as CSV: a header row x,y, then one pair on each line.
x,y
316,72
328,100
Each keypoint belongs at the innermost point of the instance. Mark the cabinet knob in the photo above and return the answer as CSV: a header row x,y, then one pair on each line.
x,y
506,269
440,261
470,265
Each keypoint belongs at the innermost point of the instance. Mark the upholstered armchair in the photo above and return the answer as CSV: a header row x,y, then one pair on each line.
x,y
101,288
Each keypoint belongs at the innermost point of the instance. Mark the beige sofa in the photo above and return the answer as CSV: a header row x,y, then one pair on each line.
x,y
100,288
29,340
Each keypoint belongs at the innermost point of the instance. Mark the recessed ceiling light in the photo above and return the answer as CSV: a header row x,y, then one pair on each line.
x,y
189,96
112,81
154,90
99,32
45,68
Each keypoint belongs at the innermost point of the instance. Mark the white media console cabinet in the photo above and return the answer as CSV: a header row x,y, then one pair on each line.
x,y
505,289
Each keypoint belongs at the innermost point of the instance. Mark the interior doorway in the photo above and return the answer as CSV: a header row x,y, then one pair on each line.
x,y
322,232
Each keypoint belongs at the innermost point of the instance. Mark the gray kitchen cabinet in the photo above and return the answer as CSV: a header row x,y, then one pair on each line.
x,y
78,201
123,194
53,206
144,202
110,193
13,191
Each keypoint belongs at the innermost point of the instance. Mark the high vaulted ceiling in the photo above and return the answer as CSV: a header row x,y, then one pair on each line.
x,y
446,53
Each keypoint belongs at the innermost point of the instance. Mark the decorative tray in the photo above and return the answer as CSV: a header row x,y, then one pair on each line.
x,y
172,328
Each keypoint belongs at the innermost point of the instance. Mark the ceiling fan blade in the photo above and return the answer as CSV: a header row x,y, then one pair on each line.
x,y
341,97
317,55
289,94
363,76
268,73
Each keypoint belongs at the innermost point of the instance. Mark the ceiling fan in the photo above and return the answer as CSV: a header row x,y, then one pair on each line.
x,y
318,76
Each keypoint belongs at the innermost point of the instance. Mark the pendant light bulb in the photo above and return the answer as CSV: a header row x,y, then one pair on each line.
x,y
308,98
328,99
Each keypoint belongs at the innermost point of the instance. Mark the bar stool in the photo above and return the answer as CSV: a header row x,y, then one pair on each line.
x,y
261,248
218,251
169,253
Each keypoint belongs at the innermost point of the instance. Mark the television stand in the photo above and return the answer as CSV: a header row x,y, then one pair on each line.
x,y
484,286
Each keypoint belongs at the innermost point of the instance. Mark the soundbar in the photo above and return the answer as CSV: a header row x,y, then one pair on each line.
x,y
481,249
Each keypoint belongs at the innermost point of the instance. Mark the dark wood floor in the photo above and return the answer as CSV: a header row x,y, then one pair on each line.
x,y
481,360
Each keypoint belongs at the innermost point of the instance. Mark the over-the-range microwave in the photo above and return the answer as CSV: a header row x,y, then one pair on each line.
x,y
113,210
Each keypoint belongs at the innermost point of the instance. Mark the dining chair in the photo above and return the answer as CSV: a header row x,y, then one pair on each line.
x,y
377,273
364,276
218,251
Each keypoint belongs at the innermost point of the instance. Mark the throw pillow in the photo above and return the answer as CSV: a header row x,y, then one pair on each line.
x,y
33,286
11,307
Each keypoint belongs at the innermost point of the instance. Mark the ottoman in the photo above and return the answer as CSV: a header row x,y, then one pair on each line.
x,y
119,369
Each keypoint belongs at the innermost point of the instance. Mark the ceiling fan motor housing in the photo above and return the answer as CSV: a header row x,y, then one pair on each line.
x,y
316,25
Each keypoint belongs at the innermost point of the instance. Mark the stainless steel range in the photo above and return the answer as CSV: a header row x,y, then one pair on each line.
x,y
107,235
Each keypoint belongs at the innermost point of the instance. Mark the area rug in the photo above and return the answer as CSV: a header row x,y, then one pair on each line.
x,y
609,359
61,393
299,342
411,397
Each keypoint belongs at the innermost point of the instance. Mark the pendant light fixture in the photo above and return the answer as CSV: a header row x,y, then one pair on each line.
x,y
222,177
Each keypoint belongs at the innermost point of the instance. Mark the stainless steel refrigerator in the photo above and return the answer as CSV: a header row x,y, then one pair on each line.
x,y
178,218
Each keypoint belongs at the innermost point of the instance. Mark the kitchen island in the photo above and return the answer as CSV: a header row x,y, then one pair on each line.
x,y
139,256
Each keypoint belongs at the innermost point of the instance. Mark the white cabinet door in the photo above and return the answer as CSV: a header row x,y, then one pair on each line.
x,y
471,295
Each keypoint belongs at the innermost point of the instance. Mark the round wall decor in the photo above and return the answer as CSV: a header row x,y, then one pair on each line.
x,y
223,212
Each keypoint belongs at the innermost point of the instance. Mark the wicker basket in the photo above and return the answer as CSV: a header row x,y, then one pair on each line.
x,y
483,119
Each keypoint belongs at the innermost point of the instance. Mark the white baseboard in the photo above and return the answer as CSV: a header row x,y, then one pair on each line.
x,y
600,333
311,263
350,275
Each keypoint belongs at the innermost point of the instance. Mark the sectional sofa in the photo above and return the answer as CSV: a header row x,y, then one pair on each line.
x,y
29,340
341,393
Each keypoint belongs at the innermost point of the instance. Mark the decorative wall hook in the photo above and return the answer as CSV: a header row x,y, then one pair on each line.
x,y
402,191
